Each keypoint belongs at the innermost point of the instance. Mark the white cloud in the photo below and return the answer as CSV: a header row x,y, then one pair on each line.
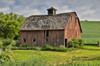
x,y
64,9
4,9
87,12
86,9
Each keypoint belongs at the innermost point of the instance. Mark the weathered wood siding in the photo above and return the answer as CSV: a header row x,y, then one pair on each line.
x,y
56,38
72,28
30,36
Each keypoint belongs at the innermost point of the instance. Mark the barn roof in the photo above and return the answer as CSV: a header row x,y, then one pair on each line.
x,y
46,22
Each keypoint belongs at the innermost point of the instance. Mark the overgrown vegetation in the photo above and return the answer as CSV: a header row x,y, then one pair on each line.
x,y
37,61
50,48
89,53
5,53
45,48
76,43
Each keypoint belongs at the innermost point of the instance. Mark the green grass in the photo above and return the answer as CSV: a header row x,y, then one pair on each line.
x,y
91,31
52,57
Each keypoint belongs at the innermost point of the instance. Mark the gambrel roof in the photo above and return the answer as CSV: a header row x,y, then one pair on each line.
x,y
46,22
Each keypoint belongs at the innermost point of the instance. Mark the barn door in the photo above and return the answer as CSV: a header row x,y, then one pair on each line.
x,y
66,43
46,36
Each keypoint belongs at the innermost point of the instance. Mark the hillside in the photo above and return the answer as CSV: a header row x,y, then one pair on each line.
x,y
91,31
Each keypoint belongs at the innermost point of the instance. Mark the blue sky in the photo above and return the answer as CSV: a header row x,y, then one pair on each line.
x,y
86,9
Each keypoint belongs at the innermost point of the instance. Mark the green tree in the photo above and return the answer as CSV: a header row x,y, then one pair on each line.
x,y
10,24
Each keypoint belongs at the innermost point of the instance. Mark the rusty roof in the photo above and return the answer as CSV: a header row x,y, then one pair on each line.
x,y
46,22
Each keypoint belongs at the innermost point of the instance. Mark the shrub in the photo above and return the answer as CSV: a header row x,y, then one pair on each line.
x,y
47,47
61,49
37,61
8,43
50,48
1,44
77,43
24,45
17,43
81,42
4,58
26,48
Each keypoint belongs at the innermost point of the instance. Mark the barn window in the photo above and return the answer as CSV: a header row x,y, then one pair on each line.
x,y
34,40
24,40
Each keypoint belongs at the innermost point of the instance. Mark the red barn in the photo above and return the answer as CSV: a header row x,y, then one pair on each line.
x,y
52,29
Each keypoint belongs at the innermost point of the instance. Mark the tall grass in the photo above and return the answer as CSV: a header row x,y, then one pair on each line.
x,y
37,61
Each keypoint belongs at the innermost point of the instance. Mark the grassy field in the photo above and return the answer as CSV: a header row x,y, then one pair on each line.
x,y
91,31
51,57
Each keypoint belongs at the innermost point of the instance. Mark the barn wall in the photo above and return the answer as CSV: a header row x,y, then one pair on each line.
x,y
33,38
56,38
72,29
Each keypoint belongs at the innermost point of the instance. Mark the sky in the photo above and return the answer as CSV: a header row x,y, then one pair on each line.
x,y
85,9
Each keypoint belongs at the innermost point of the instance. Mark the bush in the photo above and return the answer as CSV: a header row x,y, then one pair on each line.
x,y
1,44
81,42
8,43
77,43
60,49
50,48
47,47
26,48
16,43
37,61
4,58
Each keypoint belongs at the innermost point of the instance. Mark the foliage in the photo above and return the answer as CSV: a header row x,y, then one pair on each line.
x,y
17,43
26,48
34,62
8,43
1,44
81,42
77,43
47,47
5,56
50,48
10,24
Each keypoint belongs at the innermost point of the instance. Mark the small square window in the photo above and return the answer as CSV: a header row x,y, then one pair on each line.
x,y
24,40
34,40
